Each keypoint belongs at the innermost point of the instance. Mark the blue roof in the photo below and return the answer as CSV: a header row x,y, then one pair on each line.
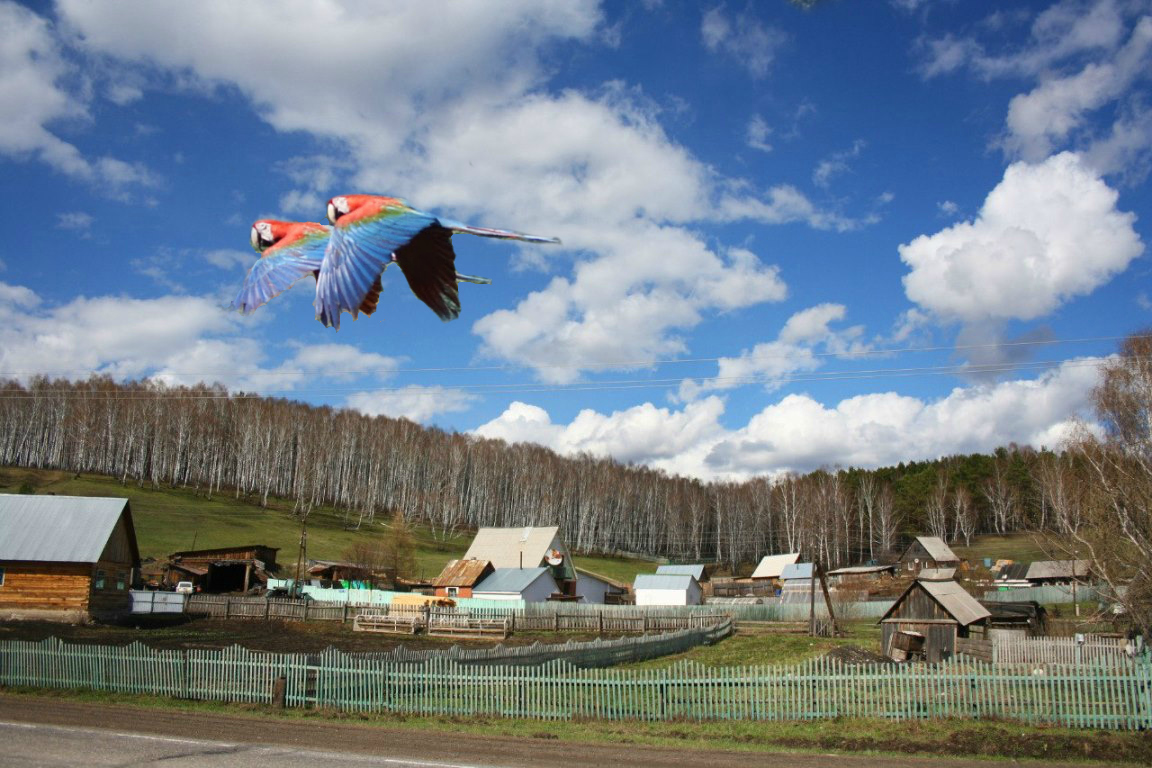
x,y
662,581
509,580
695,571
796,571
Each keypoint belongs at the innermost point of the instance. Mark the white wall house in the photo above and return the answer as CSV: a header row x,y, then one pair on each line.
x,y
532,585
666,589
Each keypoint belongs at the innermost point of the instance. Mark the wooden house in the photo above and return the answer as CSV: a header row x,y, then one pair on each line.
x,y
928,552
460,577
927,619
223,569
66,558
528,547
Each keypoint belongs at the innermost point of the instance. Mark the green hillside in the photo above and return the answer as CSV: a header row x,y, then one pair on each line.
x,y
174,519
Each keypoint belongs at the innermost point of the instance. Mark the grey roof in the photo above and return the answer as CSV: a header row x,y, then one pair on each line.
x,y
503,546
937,574
796,571
771,566
860,569
663,581
952,598
695,571
510,580
1059,569
58,529
937,549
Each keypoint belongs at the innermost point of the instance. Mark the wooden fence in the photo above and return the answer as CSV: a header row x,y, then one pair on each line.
x,y
821,688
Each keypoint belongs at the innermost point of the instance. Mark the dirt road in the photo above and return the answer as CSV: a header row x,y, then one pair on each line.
x,y
412,744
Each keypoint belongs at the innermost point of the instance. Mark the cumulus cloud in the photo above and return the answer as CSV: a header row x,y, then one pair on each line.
x,y
800,434
1047,233
34,93
417,403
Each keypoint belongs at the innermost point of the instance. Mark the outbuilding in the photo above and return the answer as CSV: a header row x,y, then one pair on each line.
x,y
928,552
927,619
666,589
460,577
532,585
66,558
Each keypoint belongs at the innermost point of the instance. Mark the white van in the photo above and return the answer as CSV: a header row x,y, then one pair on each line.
x,y
184,588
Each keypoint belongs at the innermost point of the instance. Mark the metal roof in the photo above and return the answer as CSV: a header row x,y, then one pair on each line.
x,y
1059,569
59,529
510,580
462,573
503,547
796,571
771,566
681,581
937,549
860,569
695,571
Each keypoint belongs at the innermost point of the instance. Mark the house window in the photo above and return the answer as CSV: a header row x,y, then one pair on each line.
x,y
99,581
1,577
120,580
452,591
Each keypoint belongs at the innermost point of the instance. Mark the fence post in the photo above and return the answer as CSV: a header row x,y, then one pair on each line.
x,y
266,607
601,615
306,609
227,606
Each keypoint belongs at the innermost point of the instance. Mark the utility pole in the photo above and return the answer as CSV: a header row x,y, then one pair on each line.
x,y
300,553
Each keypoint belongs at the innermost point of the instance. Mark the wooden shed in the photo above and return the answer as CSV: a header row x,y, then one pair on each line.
x,y
66,558
926,620
460,577
223,569
928,552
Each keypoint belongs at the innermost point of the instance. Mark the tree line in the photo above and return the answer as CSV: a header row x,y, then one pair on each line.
x,y
368,467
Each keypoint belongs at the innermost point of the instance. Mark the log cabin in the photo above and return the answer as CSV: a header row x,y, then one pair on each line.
x,y
66,558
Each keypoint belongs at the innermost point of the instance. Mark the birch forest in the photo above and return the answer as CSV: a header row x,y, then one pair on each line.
x,y
370,468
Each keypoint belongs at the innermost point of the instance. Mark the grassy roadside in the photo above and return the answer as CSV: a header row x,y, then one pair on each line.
x,y
992,739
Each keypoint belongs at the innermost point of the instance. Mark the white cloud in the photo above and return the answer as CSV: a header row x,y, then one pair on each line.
x,y
744,39
76,221
756,134
1046,234
835,164
33,94
418,403
798,433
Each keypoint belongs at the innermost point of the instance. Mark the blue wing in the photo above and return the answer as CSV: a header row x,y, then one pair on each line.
x,y
359,252
278,269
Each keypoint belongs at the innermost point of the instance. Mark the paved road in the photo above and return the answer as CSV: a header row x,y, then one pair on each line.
x,y
40,732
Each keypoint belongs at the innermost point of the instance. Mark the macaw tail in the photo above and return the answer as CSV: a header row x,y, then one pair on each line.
x,y
472,279
502,234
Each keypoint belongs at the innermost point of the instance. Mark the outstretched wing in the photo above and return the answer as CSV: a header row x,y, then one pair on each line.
x,y
362,246
429,265
279,267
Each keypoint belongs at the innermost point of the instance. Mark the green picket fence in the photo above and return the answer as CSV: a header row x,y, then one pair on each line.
x,y
821,688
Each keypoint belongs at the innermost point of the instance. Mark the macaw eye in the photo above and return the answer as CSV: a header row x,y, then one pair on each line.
x,y
333,214
257,243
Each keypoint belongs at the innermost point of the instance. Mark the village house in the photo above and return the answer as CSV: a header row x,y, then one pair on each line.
x,y
66,558
928,552
532,585
460,577
526,548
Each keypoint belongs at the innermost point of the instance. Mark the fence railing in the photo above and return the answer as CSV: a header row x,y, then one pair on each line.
x,y
820,688
1047,595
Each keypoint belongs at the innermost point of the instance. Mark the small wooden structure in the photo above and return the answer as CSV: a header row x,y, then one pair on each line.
x,y
460,577
66,558
926,620
222,569
928,552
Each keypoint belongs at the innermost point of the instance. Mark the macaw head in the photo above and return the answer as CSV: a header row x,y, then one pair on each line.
x,y
263,237
337,207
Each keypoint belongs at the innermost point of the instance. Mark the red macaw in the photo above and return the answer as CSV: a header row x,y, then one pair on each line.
x,y
370,232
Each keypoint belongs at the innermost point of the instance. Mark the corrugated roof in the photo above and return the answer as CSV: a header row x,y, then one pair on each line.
x,y
796,571
771,566
58,529
503,546
695,571
952,597
860,569
662,581
1059,569
937,574
462,573
937,549
510,580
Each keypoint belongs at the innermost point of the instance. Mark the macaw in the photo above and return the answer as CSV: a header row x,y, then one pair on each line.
x,y
369,232
290,251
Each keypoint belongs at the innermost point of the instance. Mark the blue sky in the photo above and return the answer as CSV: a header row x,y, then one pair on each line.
x,y
850,235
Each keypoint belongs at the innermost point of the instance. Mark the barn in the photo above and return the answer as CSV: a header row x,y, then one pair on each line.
x,y
66,558
223,569
926,620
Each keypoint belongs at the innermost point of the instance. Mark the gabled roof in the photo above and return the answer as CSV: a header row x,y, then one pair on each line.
x,y
695,571
61,529
677,581
952,598
771,566
503,547
937,549
513,580
462,573
796,571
